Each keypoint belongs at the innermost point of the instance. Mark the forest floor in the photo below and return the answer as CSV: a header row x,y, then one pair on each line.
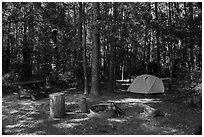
x,y
24,116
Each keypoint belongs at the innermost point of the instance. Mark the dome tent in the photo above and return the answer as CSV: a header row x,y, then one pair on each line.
x,y
146,84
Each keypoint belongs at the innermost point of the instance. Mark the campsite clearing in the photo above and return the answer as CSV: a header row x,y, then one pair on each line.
x,y
26,116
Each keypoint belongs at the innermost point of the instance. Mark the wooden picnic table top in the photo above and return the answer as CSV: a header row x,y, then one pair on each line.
x,y
31,82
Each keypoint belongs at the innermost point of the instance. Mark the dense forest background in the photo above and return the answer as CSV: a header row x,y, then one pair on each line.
x,y
94,42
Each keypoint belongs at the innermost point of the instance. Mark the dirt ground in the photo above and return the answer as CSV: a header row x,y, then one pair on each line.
x,y
27,117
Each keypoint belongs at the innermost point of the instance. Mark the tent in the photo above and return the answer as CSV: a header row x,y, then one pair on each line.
x,y
146,84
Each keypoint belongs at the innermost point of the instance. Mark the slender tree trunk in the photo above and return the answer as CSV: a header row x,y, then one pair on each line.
x,y
74,53
95,82
145,45
130,64
123,67
79,50
186,43
157,40
112,51
26,53
184,52
84,51
111,67
55,56
191,44
7,63
149,40
145,51
30,37
75,24
170,45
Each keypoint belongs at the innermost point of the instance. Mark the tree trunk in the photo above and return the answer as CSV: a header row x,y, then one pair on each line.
x,y
75,23
170,45
55,56
57,105
7,61
157,40
83,105
123,67
191,44
149,40
26,58
79,50
145,46
84,52
112,51
184,47
95,52
111,67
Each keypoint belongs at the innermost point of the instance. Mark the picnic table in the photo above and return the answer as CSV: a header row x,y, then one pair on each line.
x,y
31,88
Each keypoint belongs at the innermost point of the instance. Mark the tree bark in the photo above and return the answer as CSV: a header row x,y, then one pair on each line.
x,y
122,69
170,45
191,44
57,105
84,51
112,51
55,57
7,61
79,50
95,52
157,40
149,40
83,105
26,58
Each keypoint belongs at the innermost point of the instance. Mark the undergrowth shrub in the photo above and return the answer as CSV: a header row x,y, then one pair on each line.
x,y
9,78
194,101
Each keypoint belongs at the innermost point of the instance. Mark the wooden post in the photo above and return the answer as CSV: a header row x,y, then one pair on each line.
x,y
83,105
57,105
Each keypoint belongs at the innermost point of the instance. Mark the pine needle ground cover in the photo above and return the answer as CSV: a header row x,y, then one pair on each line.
x,y
180,117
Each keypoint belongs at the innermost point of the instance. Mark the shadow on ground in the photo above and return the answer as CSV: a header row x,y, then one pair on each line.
x,y
25,116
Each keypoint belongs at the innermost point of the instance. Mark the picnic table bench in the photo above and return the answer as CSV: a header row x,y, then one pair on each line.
x,y
31,88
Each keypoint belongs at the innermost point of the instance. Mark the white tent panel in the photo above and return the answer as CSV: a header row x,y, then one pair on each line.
x,y
146,84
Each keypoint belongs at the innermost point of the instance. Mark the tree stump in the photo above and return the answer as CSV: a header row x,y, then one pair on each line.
x,y
57,105
83,105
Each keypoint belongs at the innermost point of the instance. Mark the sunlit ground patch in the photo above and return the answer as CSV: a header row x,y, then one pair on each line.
x,y
66,125
22,121
18,125
22,116
117,120
11,130
39,121
33,113
10,110
25,103
133,100
7,102
29,118
13,111
79,119
170,130
39,133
